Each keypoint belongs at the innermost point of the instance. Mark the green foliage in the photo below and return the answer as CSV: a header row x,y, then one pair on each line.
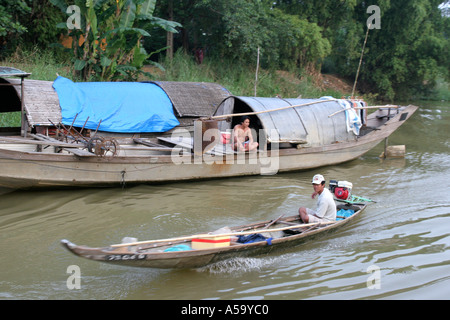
x,y
42,64
10,10
301,42
108,47
10,25
405,55
239,77
407,58
27,22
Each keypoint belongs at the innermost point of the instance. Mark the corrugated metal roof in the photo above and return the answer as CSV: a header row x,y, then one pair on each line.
x,y
305,124
12,72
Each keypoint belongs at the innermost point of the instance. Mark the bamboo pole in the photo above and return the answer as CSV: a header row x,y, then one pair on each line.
x,y
274,221
360,60
256,75
209,235
359,108
266,111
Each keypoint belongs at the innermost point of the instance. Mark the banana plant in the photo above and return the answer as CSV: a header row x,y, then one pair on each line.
x,y
107,45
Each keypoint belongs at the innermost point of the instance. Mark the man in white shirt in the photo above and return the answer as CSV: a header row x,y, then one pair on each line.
x,y
326,207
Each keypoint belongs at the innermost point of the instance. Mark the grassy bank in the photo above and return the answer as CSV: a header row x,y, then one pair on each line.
x,y
43,65
237,78
240,79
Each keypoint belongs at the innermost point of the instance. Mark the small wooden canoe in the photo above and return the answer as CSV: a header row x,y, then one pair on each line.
x,y
214,247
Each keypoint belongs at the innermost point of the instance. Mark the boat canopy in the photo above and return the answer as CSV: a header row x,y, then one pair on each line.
x,y
309,123
194,99
10,98
115,106
41,102
13,72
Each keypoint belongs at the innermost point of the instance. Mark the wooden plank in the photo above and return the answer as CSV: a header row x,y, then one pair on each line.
x,y
137,148
180,141
150,144
42,137
79,152
185,142
4,139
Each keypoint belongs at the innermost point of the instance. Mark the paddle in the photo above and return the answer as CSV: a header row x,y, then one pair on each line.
x,y
208,235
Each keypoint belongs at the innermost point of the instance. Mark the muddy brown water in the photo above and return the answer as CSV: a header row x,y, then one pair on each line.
x,y
397,249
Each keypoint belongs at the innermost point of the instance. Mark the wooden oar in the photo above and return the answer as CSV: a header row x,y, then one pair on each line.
x,y
208,235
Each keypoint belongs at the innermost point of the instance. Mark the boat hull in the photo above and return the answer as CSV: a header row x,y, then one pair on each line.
x,y
125,256
38,169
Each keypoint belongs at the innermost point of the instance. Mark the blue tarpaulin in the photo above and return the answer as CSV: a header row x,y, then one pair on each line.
x,y
344,214
120,106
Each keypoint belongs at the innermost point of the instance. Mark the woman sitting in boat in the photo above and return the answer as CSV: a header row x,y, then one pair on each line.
x,y
326,207
243,138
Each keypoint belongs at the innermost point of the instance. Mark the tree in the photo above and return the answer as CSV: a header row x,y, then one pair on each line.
x,y
301,42
404,56
10,25
107,44
234,30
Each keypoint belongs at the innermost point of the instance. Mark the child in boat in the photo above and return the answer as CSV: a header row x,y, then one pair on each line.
x,y
243,138
326,207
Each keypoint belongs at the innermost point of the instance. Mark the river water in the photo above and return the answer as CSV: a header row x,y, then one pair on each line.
x,y
399,248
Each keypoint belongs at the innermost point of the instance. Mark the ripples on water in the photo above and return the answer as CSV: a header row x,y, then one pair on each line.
x,y
404,234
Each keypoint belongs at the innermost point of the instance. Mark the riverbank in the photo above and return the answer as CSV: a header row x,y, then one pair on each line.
x,y
239,79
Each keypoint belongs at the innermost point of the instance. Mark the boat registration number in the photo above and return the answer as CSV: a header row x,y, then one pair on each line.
x,y
124,257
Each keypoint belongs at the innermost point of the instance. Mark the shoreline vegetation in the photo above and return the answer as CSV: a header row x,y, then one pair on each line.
x,y
238,78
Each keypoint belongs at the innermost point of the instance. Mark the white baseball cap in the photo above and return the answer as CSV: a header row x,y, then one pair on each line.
x,y
317,179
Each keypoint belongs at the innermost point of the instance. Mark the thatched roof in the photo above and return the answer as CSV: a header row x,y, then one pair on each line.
x,y
194,99
41,101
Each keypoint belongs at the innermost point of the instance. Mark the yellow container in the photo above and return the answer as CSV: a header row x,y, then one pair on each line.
x,y
210,242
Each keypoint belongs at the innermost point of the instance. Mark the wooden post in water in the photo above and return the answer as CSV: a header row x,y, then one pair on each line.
x,y
392,151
